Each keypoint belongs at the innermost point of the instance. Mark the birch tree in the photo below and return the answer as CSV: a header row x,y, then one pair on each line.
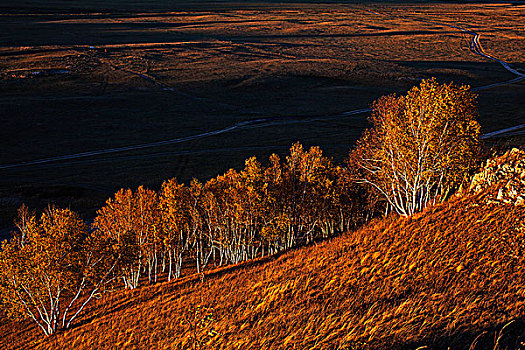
x,y
421,145
57,269
131,220
176,220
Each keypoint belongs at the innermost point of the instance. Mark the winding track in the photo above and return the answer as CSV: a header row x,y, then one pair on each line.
x,y
249,124
475,46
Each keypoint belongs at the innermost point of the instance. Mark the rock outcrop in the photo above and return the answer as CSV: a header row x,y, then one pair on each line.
x,y
503,178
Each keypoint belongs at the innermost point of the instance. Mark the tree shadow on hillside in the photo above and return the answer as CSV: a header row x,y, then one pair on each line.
x,y
174,289
506,335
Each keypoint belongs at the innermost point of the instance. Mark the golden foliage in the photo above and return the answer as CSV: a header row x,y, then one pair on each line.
x,y
438,278
53,269
131,223
234,217
420,146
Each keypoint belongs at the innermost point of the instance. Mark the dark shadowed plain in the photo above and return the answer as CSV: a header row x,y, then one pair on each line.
x,y
94,75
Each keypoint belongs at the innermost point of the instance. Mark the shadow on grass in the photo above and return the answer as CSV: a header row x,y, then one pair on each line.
x,y
506,335
174,289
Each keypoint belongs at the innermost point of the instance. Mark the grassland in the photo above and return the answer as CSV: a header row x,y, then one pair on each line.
x,y
92,75
449,277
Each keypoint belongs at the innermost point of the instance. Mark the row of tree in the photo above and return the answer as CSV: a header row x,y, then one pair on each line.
x,y
420,148
234,217
55,264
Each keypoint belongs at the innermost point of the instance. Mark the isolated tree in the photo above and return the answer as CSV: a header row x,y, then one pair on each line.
x,y
421,145
55,271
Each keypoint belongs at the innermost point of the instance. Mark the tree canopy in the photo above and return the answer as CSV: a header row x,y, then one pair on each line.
x,y
55,270
420,146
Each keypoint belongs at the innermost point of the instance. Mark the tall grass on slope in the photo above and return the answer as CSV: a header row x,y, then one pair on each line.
x,y
439,279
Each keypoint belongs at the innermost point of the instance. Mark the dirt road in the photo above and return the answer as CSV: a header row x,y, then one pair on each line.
x,y
93,101
475,46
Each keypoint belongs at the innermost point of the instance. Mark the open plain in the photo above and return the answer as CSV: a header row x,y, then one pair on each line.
x,y
96,96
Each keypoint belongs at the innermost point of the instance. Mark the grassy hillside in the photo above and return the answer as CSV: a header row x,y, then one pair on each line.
x,y
440,278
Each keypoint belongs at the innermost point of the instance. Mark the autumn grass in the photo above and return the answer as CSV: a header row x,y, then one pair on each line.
x,y
440,278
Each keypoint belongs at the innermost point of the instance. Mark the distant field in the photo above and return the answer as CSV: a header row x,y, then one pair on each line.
x,y
156,5
91,75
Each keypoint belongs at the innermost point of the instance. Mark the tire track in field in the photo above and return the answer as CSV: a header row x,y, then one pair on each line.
x,y
127,148
247,124
162,86
475,47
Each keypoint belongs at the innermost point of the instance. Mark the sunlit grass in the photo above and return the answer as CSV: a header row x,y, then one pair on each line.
x,y
439,278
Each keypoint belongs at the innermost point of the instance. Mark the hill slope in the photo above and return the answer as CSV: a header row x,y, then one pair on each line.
x,y
440,278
